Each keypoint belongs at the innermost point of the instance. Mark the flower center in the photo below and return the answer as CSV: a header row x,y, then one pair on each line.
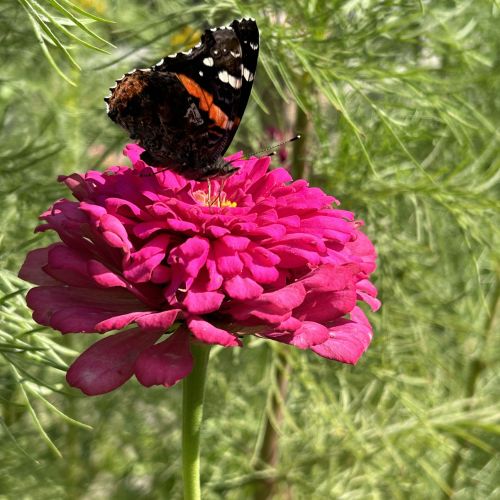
x,y
211,200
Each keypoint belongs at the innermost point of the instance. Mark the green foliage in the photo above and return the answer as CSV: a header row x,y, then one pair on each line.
x,y
399,105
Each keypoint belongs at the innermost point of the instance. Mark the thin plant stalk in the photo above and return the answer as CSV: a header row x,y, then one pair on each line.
x,y
192,414
475,368
268,452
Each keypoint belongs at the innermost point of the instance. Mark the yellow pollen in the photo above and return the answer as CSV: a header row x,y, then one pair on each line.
x,y
219,200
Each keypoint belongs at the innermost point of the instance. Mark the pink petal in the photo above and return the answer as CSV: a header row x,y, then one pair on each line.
x,y
77,184
329,277
261,264
275,231
214,280
167,362
208,333
161,274
238,243
101,275
32,269
227,260
348,341
292,257
142,263
309,334
71,309
114,233
216,231
326,306
363,248
242,288
273,307
330,293
158,321
190,255
109,363
371,301
119,206
144,230
202,302
304,337
68,266
117,322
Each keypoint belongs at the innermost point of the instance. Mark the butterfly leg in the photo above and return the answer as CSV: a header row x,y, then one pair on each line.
x,y
209,192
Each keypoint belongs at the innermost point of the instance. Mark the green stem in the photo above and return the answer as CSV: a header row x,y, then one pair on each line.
x,y
192,413
475,368
267,454
265,487
302,125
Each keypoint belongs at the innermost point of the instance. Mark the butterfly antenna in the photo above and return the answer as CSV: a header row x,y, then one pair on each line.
x,y
294,138
151,174
270,148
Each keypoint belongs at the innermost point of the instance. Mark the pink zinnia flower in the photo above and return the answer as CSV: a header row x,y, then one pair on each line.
x,y
257,254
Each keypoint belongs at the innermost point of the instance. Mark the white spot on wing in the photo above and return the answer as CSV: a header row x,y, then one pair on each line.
x,y
247,75
200,73
222,28
224,76
236,54
254,46
234,82
208,61
159,63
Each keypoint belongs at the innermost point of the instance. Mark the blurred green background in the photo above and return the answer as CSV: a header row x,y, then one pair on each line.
x,y
399,105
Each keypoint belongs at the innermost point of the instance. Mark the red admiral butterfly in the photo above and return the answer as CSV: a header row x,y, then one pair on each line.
x,y
185,110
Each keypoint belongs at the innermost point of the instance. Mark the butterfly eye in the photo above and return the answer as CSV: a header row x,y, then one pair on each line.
x,y
214,52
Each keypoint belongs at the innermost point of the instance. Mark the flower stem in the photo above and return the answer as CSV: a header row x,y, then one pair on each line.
x,y
192,412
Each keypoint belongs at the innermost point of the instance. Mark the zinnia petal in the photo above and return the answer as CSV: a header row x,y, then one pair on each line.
x,y
348,341
167,362
208,333
110,362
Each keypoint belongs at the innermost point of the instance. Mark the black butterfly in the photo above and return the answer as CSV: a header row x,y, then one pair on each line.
x,y
185,110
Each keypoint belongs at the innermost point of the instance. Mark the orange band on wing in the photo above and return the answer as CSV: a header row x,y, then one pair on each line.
x,y
206,101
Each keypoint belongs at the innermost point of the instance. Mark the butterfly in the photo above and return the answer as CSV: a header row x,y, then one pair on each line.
x,y
185,110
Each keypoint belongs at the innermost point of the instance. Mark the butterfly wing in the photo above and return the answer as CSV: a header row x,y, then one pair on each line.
x,y
186,109
221,70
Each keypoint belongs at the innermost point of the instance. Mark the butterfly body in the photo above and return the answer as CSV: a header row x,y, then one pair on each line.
x,y
185,110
